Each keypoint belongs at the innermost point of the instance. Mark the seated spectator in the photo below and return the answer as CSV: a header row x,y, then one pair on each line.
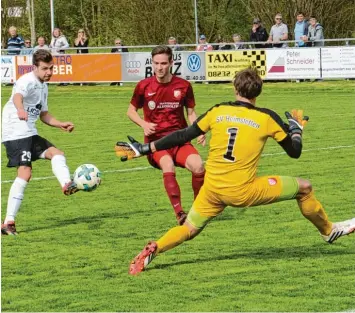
x,y
173,44
203,45
258,34
237,42
15,43
41,41
81,41
278,33
119,48
315,33
28,48
59,42
301,29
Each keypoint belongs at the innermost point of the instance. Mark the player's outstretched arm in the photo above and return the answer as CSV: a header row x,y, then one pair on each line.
x,y
292,144
135,149
50,120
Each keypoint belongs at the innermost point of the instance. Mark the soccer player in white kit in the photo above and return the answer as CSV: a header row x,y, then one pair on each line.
x,y
27,103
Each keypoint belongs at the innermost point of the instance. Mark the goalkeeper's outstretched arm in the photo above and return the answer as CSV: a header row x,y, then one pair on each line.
x,y
177,138
134,149
292,144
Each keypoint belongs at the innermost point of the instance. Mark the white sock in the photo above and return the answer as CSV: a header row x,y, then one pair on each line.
x,y
15,198
60,169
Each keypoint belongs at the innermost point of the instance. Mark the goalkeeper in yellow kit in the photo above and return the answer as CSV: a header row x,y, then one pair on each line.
x,y
239,131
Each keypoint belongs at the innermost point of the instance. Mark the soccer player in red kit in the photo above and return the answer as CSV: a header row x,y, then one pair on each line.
x,y
163,98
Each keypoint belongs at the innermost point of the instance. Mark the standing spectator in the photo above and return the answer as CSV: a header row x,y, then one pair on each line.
x,y
27,49
258,33
301,29
41,44
58,45
59,42
237,42
203,45
118,49
278,32
81,41
15,42
174,45
315,33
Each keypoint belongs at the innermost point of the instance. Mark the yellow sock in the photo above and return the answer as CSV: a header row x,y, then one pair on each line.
x,y
173,238
313,210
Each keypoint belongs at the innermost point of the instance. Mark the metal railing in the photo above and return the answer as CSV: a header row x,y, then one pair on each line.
x,y
187,47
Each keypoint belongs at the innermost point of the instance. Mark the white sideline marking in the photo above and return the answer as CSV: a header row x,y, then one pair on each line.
x,y
143,168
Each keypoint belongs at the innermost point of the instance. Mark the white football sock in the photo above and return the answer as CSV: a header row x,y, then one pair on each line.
x,y
15,198
60,169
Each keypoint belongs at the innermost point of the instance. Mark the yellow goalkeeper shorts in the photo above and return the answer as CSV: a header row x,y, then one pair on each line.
x,y
263,190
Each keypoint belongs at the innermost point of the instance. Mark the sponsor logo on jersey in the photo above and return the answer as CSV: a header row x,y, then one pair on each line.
x,y
151,105
151,94
35,111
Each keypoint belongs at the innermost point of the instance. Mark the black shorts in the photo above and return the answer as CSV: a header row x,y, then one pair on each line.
x,y
26,150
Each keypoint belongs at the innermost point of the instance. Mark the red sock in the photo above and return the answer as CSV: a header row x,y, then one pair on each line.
x,y
173,190
197,182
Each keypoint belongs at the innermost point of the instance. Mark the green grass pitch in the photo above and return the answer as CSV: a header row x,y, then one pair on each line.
x,y
72,253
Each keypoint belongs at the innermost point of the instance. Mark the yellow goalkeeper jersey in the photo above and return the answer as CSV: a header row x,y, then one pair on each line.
x,y
239,132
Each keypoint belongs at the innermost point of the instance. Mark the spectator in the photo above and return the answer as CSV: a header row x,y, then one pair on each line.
x,y
118,49
237,42
173,44
58,43
315,33
278,32
203,45
258,33
81,41
41,44
28,48
301,29
15,42
222,45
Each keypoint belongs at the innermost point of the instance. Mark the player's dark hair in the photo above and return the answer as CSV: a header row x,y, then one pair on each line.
x,y
163,50
300,13
41,55
248,83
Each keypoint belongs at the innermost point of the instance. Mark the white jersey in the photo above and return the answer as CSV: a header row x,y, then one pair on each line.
x,y
35,96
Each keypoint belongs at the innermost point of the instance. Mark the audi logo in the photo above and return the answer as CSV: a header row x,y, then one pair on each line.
x,y
133,64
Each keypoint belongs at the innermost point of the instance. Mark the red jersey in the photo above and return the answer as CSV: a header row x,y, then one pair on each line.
x,y
164,104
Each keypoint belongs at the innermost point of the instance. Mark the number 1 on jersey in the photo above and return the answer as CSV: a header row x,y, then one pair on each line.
x,y
231,142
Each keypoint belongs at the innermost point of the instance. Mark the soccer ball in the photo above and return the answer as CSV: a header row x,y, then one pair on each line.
x,y
87,177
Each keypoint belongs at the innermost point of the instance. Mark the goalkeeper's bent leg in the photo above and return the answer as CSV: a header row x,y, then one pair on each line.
x,y
313,210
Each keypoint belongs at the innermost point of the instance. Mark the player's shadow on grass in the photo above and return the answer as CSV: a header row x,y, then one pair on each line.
x,y
267,253
81,220
96,219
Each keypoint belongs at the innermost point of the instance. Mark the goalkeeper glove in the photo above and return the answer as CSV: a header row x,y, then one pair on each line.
x,y
128,151
296,121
